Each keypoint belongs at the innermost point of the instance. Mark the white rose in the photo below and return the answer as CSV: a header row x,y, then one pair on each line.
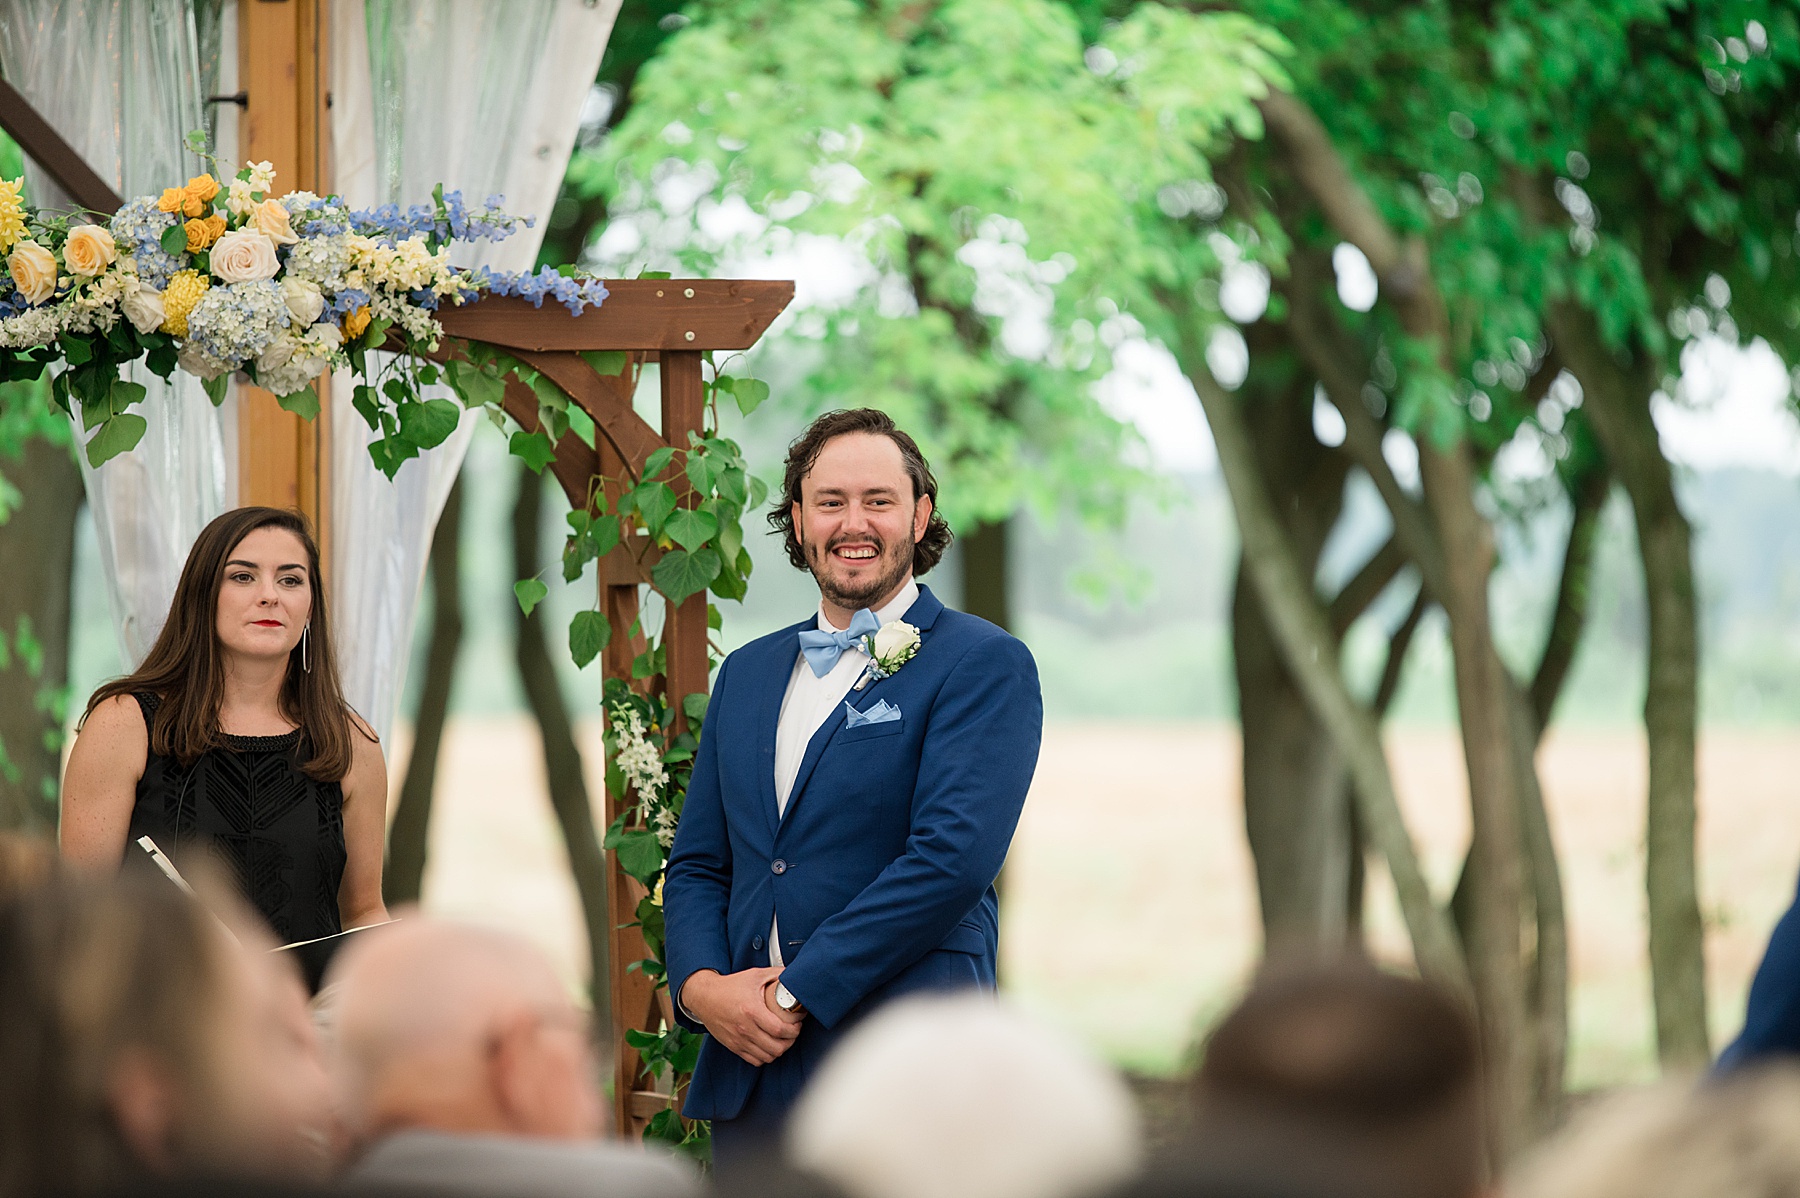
x,y
304,300
895,640
327,337
199,363
277,354
144,309
244,256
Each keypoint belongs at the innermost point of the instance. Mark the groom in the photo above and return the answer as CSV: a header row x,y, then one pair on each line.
x,y
847,813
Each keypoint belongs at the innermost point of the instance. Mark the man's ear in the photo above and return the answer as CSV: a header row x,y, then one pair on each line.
x,y
921,518
794,517
141,1094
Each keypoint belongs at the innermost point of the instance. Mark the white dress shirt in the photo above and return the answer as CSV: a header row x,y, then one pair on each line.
x,y
809,702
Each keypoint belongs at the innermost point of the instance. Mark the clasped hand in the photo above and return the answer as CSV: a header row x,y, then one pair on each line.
x,y
739,1010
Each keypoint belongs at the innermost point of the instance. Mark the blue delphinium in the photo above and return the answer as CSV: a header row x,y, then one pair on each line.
x,y
459,222
138,228
573,294
235,323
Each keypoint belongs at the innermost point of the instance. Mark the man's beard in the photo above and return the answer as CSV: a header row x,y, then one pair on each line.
x,y
897,567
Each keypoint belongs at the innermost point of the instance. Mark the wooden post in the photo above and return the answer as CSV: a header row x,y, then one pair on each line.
x,y
282,459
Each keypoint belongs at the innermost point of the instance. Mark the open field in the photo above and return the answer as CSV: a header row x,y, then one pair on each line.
x,y
1130,913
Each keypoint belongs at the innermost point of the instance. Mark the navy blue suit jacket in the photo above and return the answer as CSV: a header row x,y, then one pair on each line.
x,y
1772,1015
882,868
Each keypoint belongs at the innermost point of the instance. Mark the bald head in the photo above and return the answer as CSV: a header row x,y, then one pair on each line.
x,y
457,1028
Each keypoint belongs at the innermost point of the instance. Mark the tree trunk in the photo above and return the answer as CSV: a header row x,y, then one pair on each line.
x,y
37,559
562,757
1296,798
1303,632
1619,410
404,877
987,574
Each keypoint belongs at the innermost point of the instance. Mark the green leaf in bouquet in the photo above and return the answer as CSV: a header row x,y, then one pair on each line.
x,y
588,633
534,449
303,403
429,424
76,350
161,357
530,592
681,573
174,240
690,528
367,404
117,435
124,393
215,388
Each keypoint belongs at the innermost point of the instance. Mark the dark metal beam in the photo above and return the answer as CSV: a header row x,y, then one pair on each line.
x,y
39,138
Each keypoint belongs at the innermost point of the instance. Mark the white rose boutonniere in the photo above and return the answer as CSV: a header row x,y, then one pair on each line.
x,y
891,646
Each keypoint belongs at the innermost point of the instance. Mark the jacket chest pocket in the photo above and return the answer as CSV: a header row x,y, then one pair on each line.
x,y
862,732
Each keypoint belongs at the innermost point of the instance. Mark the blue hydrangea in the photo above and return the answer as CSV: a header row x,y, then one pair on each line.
x,y
573,294
319,257
138,228
313,215
235,323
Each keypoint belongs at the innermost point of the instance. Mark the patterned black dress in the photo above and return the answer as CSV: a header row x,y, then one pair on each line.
x,y
280,832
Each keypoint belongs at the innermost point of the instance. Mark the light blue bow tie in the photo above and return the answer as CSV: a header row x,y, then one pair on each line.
x,y
822,649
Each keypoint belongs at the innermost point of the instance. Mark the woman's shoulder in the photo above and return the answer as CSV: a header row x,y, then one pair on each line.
x,y
118,724
365,730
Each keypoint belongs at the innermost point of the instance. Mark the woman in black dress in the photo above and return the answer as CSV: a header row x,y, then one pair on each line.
x,y
233,737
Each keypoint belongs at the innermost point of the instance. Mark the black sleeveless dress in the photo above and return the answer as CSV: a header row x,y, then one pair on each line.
x,y
280,832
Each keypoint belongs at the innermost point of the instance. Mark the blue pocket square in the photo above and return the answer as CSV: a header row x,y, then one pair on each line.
x,y
882,713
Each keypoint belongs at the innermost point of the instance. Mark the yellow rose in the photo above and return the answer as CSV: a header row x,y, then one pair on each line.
x,y
215,226
89,250
271,219
173,200
33,271
198,235
202,188
356,323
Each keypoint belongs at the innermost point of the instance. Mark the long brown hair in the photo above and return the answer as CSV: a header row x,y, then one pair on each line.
x,y
185,669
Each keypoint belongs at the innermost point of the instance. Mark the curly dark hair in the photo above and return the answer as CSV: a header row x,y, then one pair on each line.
x,y
804,452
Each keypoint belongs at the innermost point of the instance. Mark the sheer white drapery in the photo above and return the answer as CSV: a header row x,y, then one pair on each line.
x,y
118,79
484,96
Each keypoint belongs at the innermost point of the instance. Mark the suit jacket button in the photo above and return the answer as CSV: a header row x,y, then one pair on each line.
x,y
757,943
778,865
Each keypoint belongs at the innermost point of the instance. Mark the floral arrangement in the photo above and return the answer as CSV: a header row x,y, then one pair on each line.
x,y
219,277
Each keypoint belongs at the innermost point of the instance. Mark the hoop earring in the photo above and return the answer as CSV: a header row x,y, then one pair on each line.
x,y
306,647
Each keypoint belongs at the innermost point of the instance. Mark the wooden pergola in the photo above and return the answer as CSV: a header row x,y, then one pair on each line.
x,y
284,460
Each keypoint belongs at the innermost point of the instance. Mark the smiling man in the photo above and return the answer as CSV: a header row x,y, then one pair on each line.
x,y
858,781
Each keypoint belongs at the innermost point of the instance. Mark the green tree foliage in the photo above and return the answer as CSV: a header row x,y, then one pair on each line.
x,y
991,181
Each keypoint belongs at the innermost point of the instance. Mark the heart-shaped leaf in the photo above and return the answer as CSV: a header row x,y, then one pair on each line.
x,y
534,449
588,634
429,424
691,529
530,592
118,434
303,403
681,573
653,501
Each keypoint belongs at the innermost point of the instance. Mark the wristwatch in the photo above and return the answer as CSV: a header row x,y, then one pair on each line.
x,y
784,998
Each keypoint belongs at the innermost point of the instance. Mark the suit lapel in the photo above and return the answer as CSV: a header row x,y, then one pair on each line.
x,y
921,615
771,691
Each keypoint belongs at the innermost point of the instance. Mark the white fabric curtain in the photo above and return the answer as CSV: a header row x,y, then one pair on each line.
x,y
484,96
118,79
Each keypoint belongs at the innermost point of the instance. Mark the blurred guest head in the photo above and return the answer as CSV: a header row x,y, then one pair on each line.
x,y
448,1027
962,1097
1739,1136
139,1039
26,863
1347,1075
